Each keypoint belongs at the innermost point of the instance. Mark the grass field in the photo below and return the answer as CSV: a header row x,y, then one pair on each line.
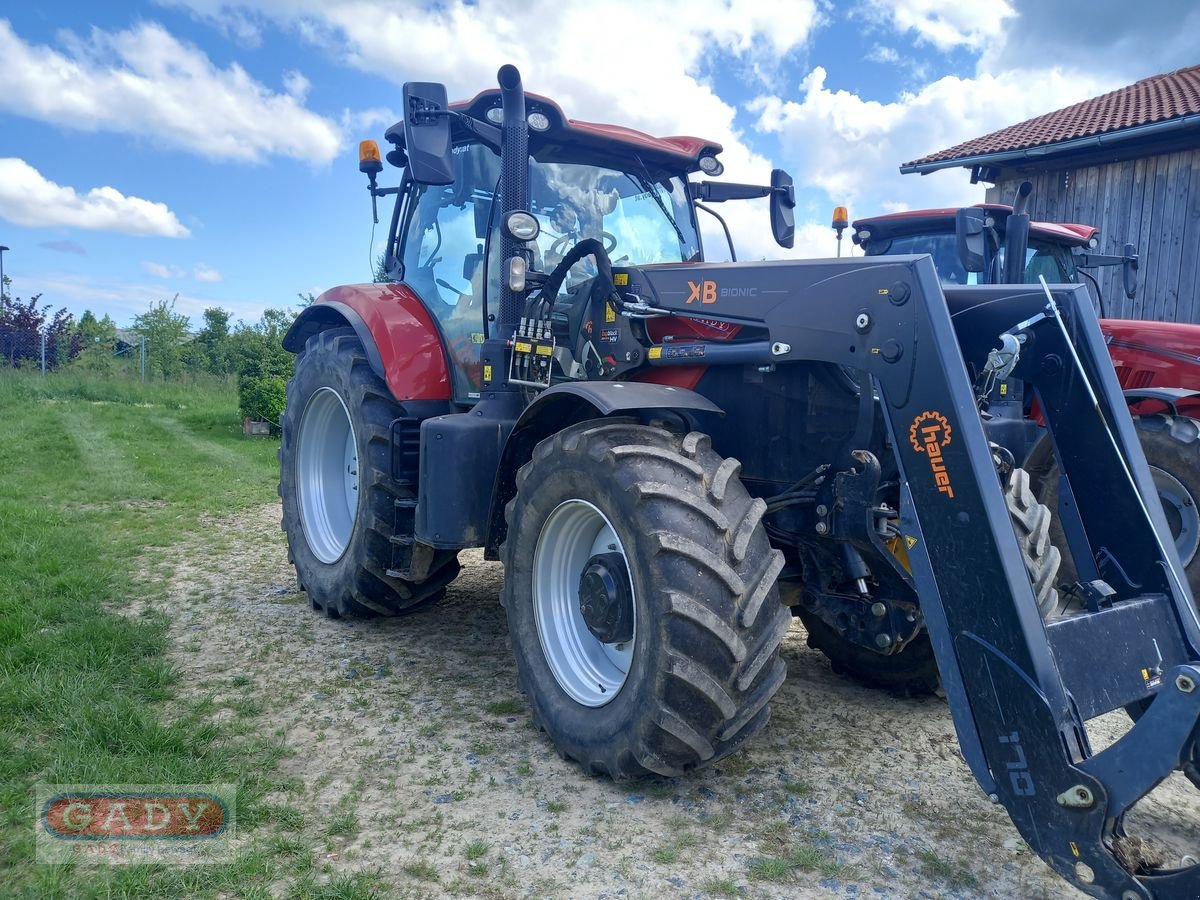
x,y
96,476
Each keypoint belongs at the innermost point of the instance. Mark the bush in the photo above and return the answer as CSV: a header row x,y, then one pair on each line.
x,y
262,397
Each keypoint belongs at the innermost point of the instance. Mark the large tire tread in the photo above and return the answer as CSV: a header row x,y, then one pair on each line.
x,y
705,557
357,584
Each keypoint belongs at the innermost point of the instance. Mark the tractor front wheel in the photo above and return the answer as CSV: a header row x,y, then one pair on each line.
x,y
336,486
640,592
913,670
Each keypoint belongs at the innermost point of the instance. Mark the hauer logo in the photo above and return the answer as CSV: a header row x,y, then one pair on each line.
x,y
105,816
929,433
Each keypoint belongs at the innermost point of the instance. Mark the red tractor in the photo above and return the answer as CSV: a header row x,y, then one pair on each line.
x,y
655,445
1157,363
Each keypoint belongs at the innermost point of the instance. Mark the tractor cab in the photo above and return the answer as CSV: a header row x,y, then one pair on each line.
x,y
1052,250
626,190
971,245
620,187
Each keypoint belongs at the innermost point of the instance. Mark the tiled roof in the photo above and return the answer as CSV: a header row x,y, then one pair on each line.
x,y
1155,99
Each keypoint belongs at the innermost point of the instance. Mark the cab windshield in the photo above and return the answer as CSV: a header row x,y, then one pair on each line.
x,y
1044,258
638,218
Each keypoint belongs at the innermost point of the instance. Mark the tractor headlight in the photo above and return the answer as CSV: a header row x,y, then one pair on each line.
x,y
521,226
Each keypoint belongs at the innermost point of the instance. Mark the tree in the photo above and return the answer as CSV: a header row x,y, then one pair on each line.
x,y
97,341
263,365
166,333
212,343
23,324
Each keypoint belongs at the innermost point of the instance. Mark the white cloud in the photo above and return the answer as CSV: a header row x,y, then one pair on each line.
x,y
660,89
852,148
881,54
206,273
145,82
945,23
296,85
30,199
162,270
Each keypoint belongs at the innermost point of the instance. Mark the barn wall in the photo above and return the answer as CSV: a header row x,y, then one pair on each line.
x,y
1153,203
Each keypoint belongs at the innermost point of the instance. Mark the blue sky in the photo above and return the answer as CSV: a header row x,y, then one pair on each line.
x,y
208,149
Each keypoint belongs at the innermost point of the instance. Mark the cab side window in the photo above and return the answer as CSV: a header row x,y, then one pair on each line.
x,y
444,238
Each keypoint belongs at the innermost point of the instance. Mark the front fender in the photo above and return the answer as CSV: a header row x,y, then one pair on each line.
x,y
400,338
567,404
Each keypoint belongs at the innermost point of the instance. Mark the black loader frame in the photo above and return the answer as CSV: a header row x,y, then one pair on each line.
x,y
1019,691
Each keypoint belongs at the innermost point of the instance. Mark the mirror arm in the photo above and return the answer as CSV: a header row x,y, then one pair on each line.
x,y
1095,260
485,131
720,191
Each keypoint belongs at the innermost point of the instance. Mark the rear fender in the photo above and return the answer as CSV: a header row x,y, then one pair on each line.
x,y
401,340
567,404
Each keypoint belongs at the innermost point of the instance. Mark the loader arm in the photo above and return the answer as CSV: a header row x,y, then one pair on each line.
x,y
1020,691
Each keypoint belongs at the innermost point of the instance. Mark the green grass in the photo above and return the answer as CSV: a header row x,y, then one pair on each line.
x,y
505,707
721,887
801,858
96,474
477,849
956,875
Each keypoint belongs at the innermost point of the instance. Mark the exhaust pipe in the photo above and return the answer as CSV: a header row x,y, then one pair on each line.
x,y
1016,236
514,185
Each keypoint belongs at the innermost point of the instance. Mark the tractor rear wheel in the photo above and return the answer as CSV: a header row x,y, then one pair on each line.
x,y
336,486
1172,448
640,591
913,671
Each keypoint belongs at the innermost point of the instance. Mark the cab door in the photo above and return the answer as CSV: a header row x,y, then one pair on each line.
x,y
443,244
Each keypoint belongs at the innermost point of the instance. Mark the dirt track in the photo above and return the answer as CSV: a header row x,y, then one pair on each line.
x,y
411,744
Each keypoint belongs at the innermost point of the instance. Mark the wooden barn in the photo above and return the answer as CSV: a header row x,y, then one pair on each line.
x,y
1127,162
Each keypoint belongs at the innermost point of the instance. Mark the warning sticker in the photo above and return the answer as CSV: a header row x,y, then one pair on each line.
x,y
684,351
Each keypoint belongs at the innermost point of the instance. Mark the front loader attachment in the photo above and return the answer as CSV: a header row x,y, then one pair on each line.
x,y
1020,689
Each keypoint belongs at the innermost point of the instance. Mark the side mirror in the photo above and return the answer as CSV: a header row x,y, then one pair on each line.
x,y
783,202
427,133
1129,270
969,229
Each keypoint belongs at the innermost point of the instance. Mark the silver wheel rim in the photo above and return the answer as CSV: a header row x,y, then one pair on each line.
x,y
327,475
589,671
1182,515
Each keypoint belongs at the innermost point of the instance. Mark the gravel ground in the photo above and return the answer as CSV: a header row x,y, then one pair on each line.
x,y
412,753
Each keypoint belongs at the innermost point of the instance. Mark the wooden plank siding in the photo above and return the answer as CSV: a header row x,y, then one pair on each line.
x,y
1152,202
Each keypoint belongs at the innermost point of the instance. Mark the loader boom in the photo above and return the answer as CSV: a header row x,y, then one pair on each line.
x,y
1020,692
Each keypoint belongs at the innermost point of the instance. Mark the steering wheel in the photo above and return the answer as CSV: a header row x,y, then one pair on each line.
x,y
563,243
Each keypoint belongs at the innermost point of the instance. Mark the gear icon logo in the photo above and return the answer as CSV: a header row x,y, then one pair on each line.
x,y
929,427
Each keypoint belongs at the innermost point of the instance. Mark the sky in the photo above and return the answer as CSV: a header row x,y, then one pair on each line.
x,y
208,149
